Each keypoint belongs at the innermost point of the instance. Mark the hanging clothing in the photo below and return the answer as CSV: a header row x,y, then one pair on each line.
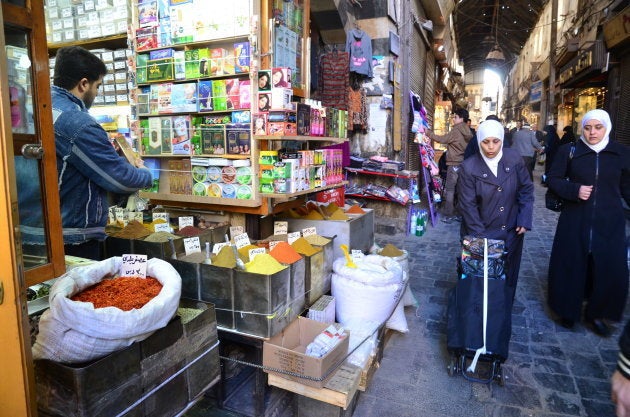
x,y
359,45
357,109
333,80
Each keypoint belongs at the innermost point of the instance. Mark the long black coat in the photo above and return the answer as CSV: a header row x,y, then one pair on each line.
x,y
493,206
595,226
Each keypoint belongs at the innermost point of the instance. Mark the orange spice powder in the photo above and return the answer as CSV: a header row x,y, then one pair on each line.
x,y
124,293
284,253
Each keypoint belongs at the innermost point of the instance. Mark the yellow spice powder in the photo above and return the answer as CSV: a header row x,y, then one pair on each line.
x,y
317,240
225,258
243,252
391,251
302,246
339,215
264,264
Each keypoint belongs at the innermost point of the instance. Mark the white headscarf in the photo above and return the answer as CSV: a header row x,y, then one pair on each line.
x,y
491,129
601,116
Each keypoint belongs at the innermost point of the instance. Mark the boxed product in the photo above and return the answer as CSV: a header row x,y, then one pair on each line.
x,y
281,98
241,56
141,68
181,135
166,134
281,77
213,139
218,61
184,97
205,96
303,119
245,100
191,63
238,136
160,69
286,351
155,137
233,93
219,95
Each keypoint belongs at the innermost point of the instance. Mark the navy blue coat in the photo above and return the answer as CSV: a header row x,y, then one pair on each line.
x,y
595,226
493,206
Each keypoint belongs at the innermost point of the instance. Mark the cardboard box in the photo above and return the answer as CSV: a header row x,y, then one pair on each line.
x,y
285,351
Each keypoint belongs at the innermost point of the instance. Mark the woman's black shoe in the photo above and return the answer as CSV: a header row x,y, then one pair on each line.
x,y
600,328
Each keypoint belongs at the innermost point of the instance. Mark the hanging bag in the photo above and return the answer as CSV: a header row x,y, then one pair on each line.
x,y
552,200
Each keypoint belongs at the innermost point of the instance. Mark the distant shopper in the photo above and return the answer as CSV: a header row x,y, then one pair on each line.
x,y
568,136
456,141
473,147
525,143
552,143
496,196
87,164
589,254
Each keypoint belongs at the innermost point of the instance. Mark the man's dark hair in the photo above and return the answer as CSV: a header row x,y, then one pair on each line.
x,y
73,63
463,113
493,117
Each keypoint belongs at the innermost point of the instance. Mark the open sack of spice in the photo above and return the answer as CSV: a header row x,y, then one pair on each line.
x,y
371,291
77,331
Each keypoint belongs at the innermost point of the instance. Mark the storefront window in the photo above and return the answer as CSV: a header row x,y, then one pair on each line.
x,y
587,100
441,121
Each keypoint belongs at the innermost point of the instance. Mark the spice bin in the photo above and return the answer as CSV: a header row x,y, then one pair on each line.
x,y
110,385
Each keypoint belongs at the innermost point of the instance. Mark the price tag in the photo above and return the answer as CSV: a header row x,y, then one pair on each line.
x,y
192,245
218,246
241,240
356,255
292,237
162,227
134,266
186,221
255,252
138,216
111,214
280,228
163,216
273,243
236,230
309,231
120,214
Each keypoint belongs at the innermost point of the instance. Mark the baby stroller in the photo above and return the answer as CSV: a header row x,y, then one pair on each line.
x,y
480,312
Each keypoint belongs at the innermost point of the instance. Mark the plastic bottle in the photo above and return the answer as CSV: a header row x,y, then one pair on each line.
x,y
422,222
412,223
419,226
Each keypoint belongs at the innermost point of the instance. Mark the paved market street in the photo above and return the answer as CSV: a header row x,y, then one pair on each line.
x,y
551,371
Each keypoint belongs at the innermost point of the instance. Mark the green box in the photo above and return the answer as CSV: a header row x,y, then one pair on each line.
x,y
192,64
160,69
141,68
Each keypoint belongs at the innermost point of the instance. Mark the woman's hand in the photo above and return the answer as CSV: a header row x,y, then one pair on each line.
x,y
520,230
585,192
621,394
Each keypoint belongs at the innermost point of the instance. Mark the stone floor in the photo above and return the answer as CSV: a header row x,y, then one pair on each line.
x,y
550,372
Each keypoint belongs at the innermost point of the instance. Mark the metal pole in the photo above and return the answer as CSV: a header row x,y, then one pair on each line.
x,y
552,58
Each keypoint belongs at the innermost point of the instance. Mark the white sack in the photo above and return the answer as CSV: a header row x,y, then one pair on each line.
x,y
74,331
369,292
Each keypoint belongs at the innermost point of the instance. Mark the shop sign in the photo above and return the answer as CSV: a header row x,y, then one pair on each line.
x,y
617,30
535,91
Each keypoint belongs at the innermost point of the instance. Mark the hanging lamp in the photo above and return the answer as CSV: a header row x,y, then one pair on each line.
x,y
495,57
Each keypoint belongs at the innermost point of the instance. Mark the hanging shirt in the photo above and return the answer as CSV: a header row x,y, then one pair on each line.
x,y
333,80
359,45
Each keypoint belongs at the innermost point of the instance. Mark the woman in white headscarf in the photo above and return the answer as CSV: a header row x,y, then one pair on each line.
x,y
589,255
496,195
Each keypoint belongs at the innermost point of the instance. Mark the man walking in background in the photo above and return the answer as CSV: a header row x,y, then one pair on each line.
x,y
525,142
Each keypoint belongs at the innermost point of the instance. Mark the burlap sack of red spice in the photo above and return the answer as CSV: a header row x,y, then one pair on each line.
x,y
75,332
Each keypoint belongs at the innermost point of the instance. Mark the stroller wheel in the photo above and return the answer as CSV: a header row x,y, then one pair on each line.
x,y
500,377
452,366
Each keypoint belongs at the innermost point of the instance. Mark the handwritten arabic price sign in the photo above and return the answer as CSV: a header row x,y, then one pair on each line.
x,y
273,243
192,245
134,266
309,231
162,227
120,214
357,255
218,246
236,230
292,237
186,221
163,216
137,216
280,228
255,252
241,240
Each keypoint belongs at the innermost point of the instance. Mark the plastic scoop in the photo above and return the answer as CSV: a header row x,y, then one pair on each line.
x,y
239,262
349,262
207,261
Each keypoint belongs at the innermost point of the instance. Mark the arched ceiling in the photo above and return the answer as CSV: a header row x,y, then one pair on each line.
x,y
474,30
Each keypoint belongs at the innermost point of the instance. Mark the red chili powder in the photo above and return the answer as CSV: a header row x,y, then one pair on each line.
x,y
189,231
284,253
123,292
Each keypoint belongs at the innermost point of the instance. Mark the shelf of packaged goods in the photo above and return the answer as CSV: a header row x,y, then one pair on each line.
x,y
114,41
211,77
196,156
196,44
302,138
373,197
197,199
411,174
195,113
286,196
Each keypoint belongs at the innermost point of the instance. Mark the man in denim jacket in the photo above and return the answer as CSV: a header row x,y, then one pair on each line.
x,y
88,165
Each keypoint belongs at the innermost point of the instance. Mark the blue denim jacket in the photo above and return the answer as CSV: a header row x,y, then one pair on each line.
x,y
88,167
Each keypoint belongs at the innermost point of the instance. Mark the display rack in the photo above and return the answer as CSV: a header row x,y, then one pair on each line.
x,y
432,210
